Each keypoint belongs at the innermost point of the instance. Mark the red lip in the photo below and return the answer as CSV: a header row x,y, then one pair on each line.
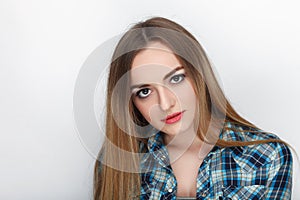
x,y
173,118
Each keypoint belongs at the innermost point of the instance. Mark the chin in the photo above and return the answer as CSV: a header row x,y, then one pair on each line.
x,y
173,131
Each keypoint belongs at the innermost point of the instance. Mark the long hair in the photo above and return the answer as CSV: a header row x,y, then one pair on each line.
x,y
110,183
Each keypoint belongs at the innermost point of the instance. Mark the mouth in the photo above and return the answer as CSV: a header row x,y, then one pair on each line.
x,y
173,118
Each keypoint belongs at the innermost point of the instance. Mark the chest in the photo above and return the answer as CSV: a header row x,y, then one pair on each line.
x,y
185,170
217,177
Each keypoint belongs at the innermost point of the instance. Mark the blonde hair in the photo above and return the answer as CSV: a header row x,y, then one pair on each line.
x,y
110,183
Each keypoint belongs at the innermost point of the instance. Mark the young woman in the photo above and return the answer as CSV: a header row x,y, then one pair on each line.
x,y
172,134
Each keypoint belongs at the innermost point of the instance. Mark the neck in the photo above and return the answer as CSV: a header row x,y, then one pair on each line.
x,y
183,140
186,143
181,144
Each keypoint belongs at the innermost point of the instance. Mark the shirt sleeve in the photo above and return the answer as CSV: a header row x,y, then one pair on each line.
x,y
280,174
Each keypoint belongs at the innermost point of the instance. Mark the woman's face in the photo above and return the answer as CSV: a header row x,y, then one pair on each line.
x,y
162,91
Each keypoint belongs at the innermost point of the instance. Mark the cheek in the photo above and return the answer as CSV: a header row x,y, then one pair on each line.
x,y
190,96
150,111
186,95
143,108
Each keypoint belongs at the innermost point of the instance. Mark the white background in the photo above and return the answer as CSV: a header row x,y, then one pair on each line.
x,y
254,45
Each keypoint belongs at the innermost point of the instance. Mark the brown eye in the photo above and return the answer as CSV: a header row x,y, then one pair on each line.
x,y
143,93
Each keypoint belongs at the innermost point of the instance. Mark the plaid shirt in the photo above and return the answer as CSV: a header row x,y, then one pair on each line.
x,y
251,172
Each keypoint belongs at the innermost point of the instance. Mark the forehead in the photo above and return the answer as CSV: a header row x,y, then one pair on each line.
x,y
153,62
155,53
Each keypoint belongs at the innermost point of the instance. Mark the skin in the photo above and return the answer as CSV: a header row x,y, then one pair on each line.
x,y
156,97
162,97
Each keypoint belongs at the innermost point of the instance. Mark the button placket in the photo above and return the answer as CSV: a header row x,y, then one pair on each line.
x,y
170,185
203,194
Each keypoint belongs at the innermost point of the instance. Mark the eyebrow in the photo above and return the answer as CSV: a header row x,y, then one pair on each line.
x,y
166,76
172,72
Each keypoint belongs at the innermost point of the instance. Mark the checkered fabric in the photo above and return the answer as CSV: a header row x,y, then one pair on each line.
x,y
251,172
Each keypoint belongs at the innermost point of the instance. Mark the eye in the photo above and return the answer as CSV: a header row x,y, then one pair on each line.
x,y
143,93
177,78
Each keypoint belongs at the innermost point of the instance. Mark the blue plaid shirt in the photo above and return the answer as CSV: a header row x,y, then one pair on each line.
x,y
251,172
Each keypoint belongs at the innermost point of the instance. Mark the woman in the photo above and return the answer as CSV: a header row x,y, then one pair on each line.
x,y
172,134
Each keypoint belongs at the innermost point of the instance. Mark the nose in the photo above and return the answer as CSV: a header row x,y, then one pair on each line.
x,y
167,98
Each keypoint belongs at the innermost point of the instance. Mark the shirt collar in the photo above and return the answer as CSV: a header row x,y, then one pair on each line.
x,y
157,148
159,151
230,135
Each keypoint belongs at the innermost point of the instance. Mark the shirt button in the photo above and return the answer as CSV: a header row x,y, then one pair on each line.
x,y
170,190
203,194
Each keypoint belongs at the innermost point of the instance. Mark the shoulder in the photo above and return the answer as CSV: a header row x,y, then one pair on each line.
x,y
252,157
237,132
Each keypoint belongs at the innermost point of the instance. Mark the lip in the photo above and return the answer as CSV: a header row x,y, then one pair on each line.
x,y
173,118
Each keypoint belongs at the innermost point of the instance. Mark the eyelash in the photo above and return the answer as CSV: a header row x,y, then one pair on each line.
x,y
182,76
139,92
